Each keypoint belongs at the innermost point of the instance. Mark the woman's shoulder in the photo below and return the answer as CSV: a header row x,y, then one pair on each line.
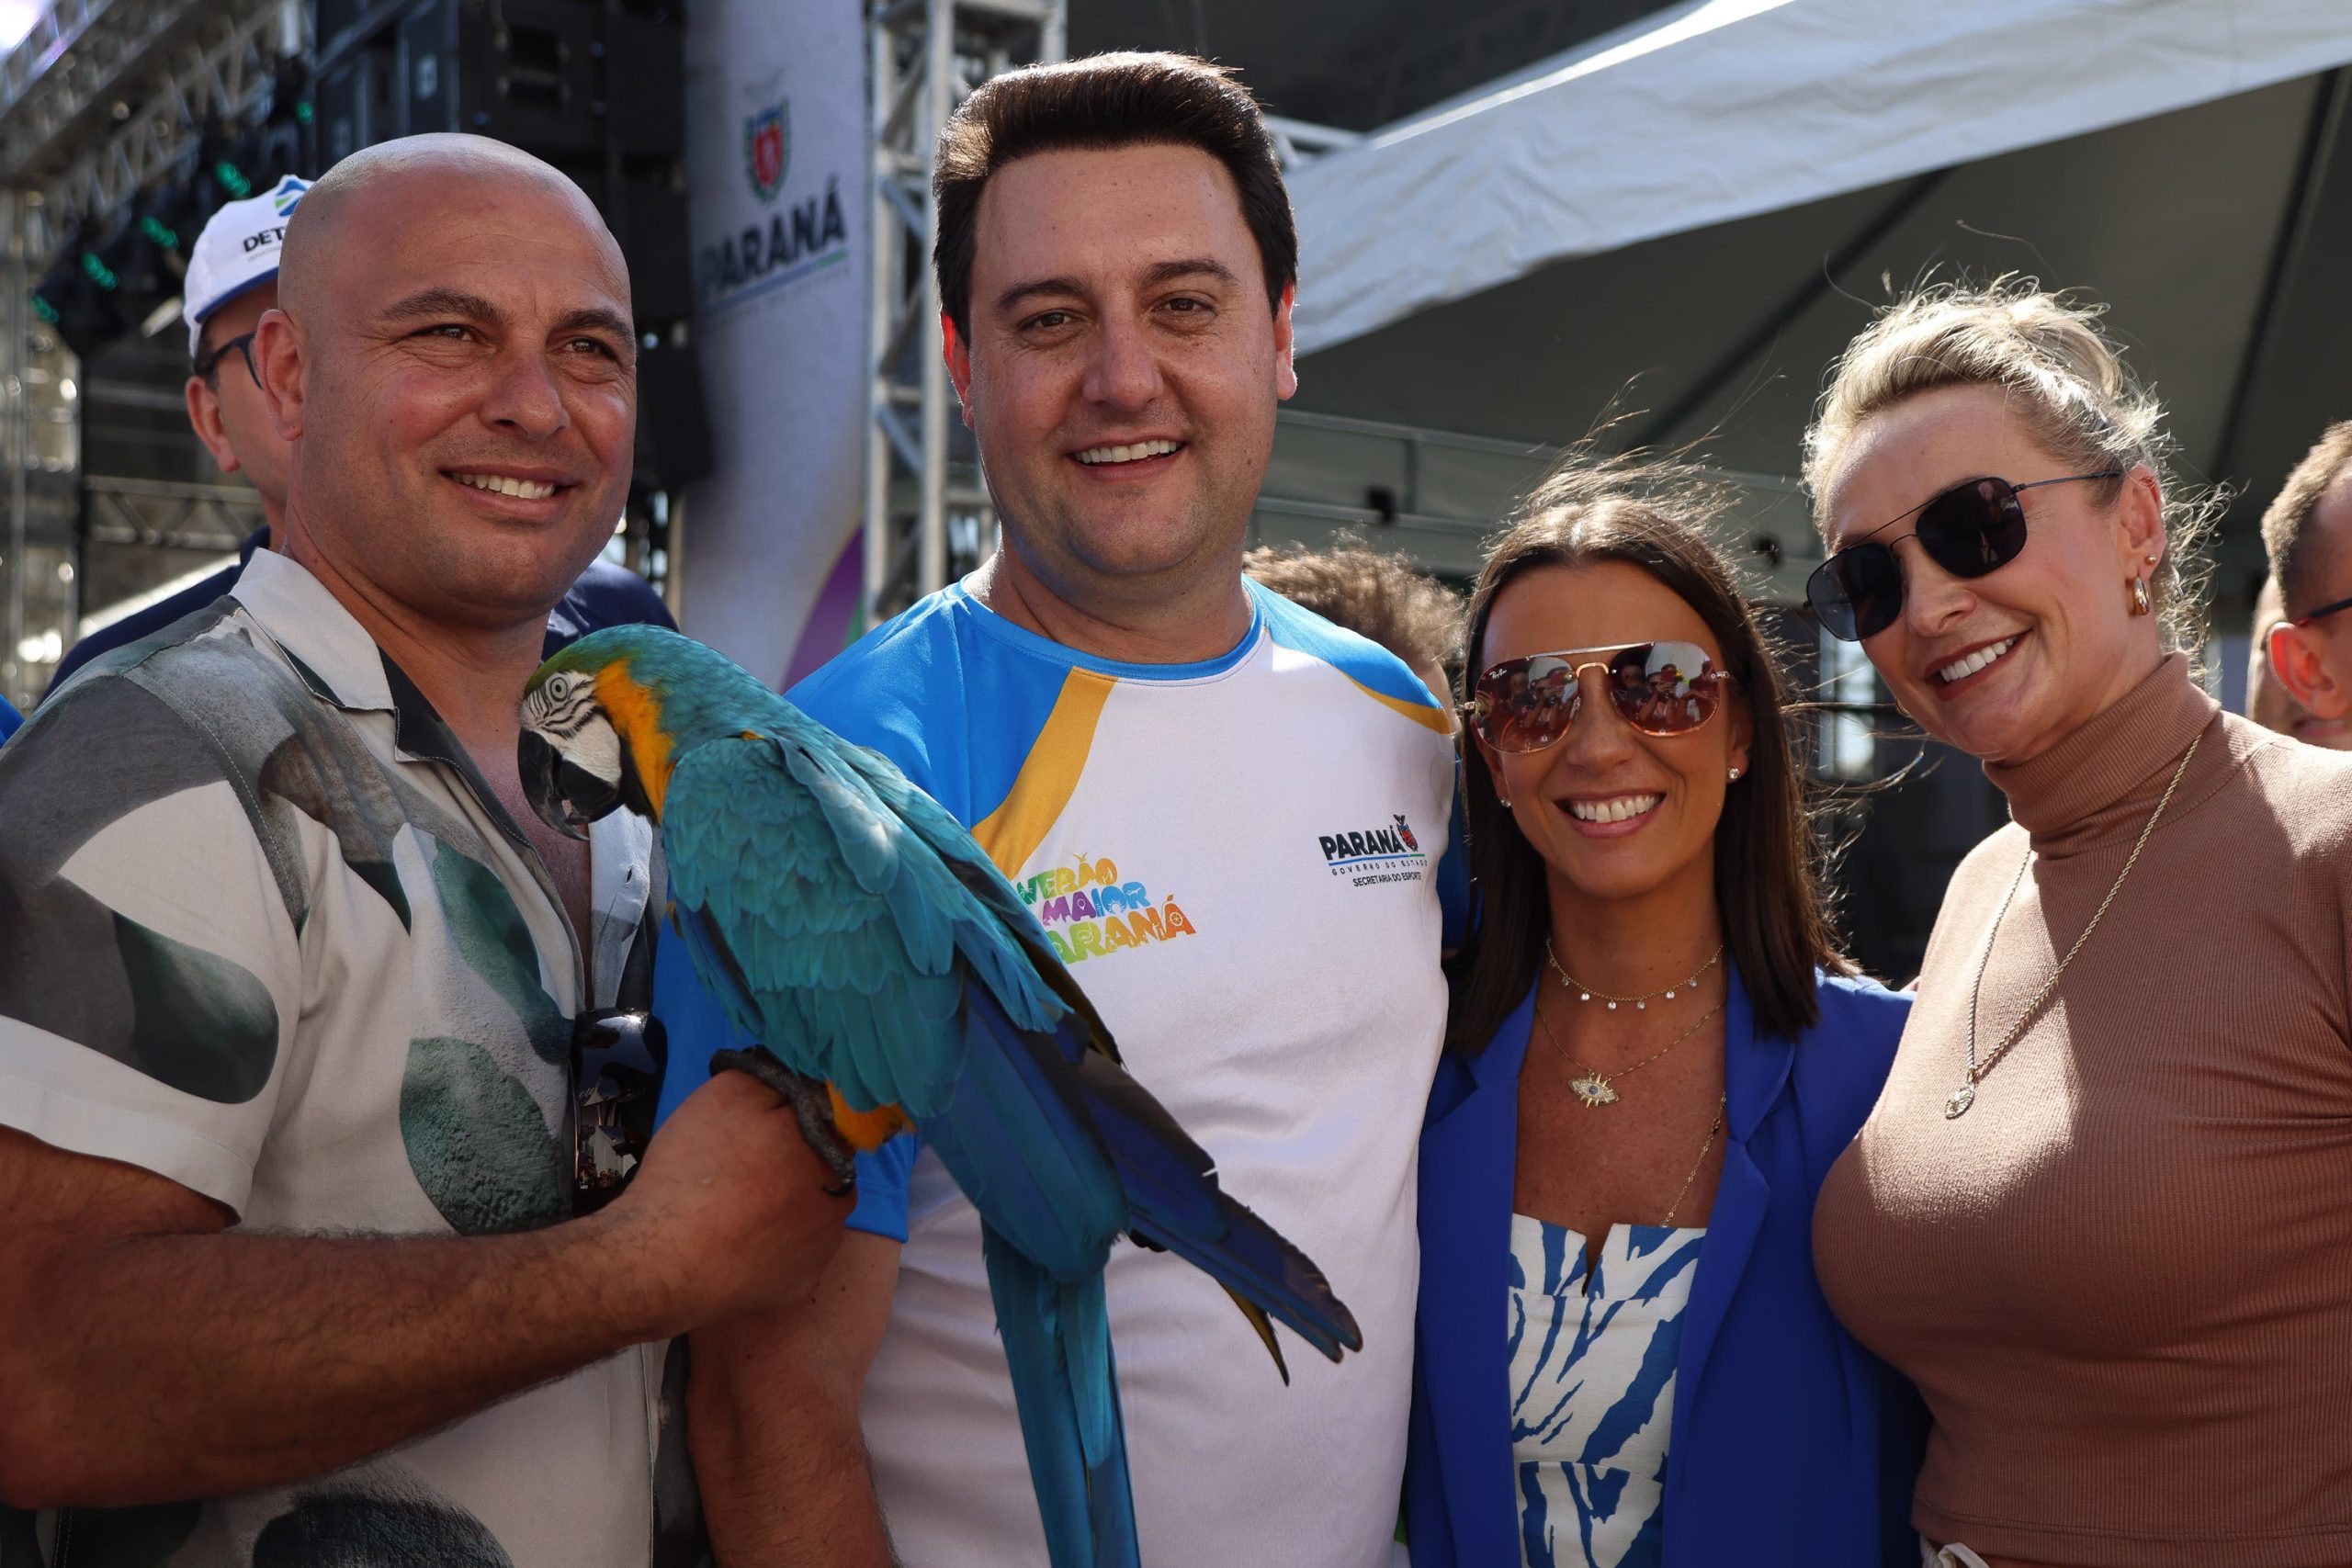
x,y
1856,1004
1844,1058
2307,790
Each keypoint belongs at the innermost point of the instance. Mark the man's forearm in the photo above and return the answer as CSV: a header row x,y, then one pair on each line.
x,y
773,1420
785,1484
193,1365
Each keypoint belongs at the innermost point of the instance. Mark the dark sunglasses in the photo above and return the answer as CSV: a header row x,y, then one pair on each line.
x,y
1969,530
1659,688
209,365
618,1056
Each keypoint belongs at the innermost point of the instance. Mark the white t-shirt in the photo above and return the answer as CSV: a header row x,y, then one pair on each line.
x,y
1239,861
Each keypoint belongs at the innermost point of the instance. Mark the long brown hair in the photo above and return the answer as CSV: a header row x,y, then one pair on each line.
x,y
1652,515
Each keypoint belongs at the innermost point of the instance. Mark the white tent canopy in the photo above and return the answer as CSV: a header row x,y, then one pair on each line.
x,y
1728,108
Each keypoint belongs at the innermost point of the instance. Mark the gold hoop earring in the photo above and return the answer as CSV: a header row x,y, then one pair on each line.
x,y
2140,604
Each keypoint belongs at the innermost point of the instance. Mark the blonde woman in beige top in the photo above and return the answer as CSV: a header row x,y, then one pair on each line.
x,y
2102,1214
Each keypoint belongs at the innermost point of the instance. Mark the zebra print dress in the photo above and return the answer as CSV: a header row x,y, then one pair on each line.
x,y
1592,1388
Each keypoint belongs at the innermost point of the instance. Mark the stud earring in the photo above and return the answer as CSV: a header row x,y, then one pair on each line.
x,y
1734,776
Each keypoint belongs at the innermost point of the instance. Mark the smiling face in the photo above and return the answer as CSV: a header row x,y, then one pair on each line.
x,y
2003,665
1123,366
458,384
1615,814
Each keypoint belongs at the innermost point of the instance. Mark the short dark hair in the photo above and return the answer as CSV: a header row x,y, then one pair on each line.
x,y
2287,536
1104,102
1653,516
1373,593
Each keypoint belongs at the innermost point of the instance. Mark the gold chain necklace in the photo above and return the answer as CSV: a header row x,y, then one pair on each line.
x,y
1593,1088
1960,1099
1721,1101
1641,1004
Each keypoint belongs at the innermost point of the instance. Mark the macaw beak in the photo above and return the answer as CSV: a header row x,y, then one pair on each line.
x,y
565,797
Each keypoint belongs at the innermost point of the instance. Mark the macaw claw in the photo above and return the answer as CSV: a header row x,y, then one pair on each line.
x,y
811,1102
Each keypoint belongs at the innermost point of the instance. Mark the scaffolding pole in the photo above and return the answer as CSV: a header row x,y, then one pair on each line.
x,y
927,512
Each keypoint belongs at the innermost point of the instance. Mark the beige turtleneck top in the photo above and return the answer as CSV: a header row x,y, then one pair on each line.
x,y
2122,1280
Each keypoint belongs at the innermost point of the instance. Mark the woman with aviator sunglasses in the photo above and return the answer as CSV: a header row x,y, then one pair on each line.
x,y
2100,1213
1653,1057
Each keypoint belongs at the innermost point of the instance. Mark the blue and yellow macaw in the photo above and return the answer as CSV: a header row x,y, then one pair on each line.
x,y
853,927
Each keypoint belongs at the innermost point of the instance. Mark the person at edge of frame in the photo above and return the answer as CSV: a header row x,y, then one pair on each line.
x,y
231,282
2097,1216
1655,1055
2266,699
296,990
1227,814
2305,656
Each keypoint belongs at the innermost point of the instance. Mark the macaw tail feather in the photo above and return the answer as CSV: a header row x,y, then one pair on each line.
x,y
1174,1202
1166,1183
1058,1347
1060,1150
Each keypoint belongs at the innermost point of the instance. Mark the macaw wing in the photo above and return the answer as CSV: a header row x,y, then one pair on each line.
x,y
811,961
987,883
834,932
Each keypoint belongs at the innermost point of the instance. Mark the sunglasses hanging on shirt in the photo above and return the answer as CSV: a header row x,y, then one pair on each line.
x,y
1969,530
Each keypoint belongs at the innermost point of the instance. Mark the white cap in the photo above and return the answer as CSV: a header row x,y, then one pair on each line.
x,y
237,251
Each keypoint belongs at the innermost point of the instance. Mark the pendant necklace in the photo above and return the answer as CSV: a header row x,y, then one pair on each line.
x,y
1960,1099
1594,1088
1641,1004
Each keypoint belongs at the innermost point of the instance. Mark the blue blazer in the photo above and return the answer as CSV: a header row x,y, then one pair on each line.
x,y
1791,1443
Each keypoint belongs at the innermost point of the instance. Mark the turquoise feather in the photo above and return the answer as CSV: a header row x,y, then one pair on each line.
x,y
850,924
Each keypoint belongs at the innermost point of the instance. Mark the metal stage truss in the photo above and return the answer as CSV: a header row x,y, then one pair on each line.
x,y
102,98
924,503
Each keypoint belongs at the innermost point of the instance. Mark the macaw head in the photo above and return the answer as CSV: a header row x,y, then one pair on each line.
x,y
606,718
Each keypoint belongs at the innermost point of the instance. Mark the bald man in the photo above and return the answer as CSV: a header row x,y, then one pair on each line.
x,y
232,283
313,1100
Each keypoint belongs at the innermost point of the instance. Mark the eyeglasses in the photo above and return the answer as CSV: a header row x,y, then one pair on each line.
x,y
617,1056
1969,530
243,343
2270,637
1659,688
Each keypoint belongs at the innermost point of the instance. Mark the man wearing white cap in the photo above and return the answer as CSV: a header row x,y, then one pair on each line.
x,y
232,281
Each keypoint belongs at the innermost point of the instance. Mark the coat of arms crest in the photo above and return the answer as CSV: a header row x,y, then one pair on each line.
x,y
767,148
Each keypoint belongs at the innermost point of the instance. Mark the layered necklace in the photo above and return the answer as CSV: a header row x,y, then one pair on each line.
x,y
1597,1089
1641,1004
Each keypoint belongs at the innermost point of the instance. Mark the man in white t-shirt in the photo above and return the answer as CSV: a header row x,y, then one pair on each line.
x,y
1227,814
307,1060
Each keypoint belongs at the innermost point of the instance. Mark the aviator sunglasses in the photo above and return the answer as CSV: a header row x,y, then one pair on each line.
x,y
618,1057
1969,530
1659,688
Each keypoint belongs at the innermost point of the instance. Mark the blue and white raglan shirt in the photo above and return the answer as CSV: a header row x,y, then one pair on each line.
x,y
1238,860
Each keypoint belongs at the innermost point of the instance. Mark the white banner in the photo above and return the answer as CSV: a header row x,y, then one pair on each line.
x,y
1721,110
776,162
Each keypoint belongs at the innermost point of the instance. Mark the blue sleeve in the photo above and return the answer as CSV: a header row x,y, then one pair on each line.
x,y
10,719
698,1027
141,623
